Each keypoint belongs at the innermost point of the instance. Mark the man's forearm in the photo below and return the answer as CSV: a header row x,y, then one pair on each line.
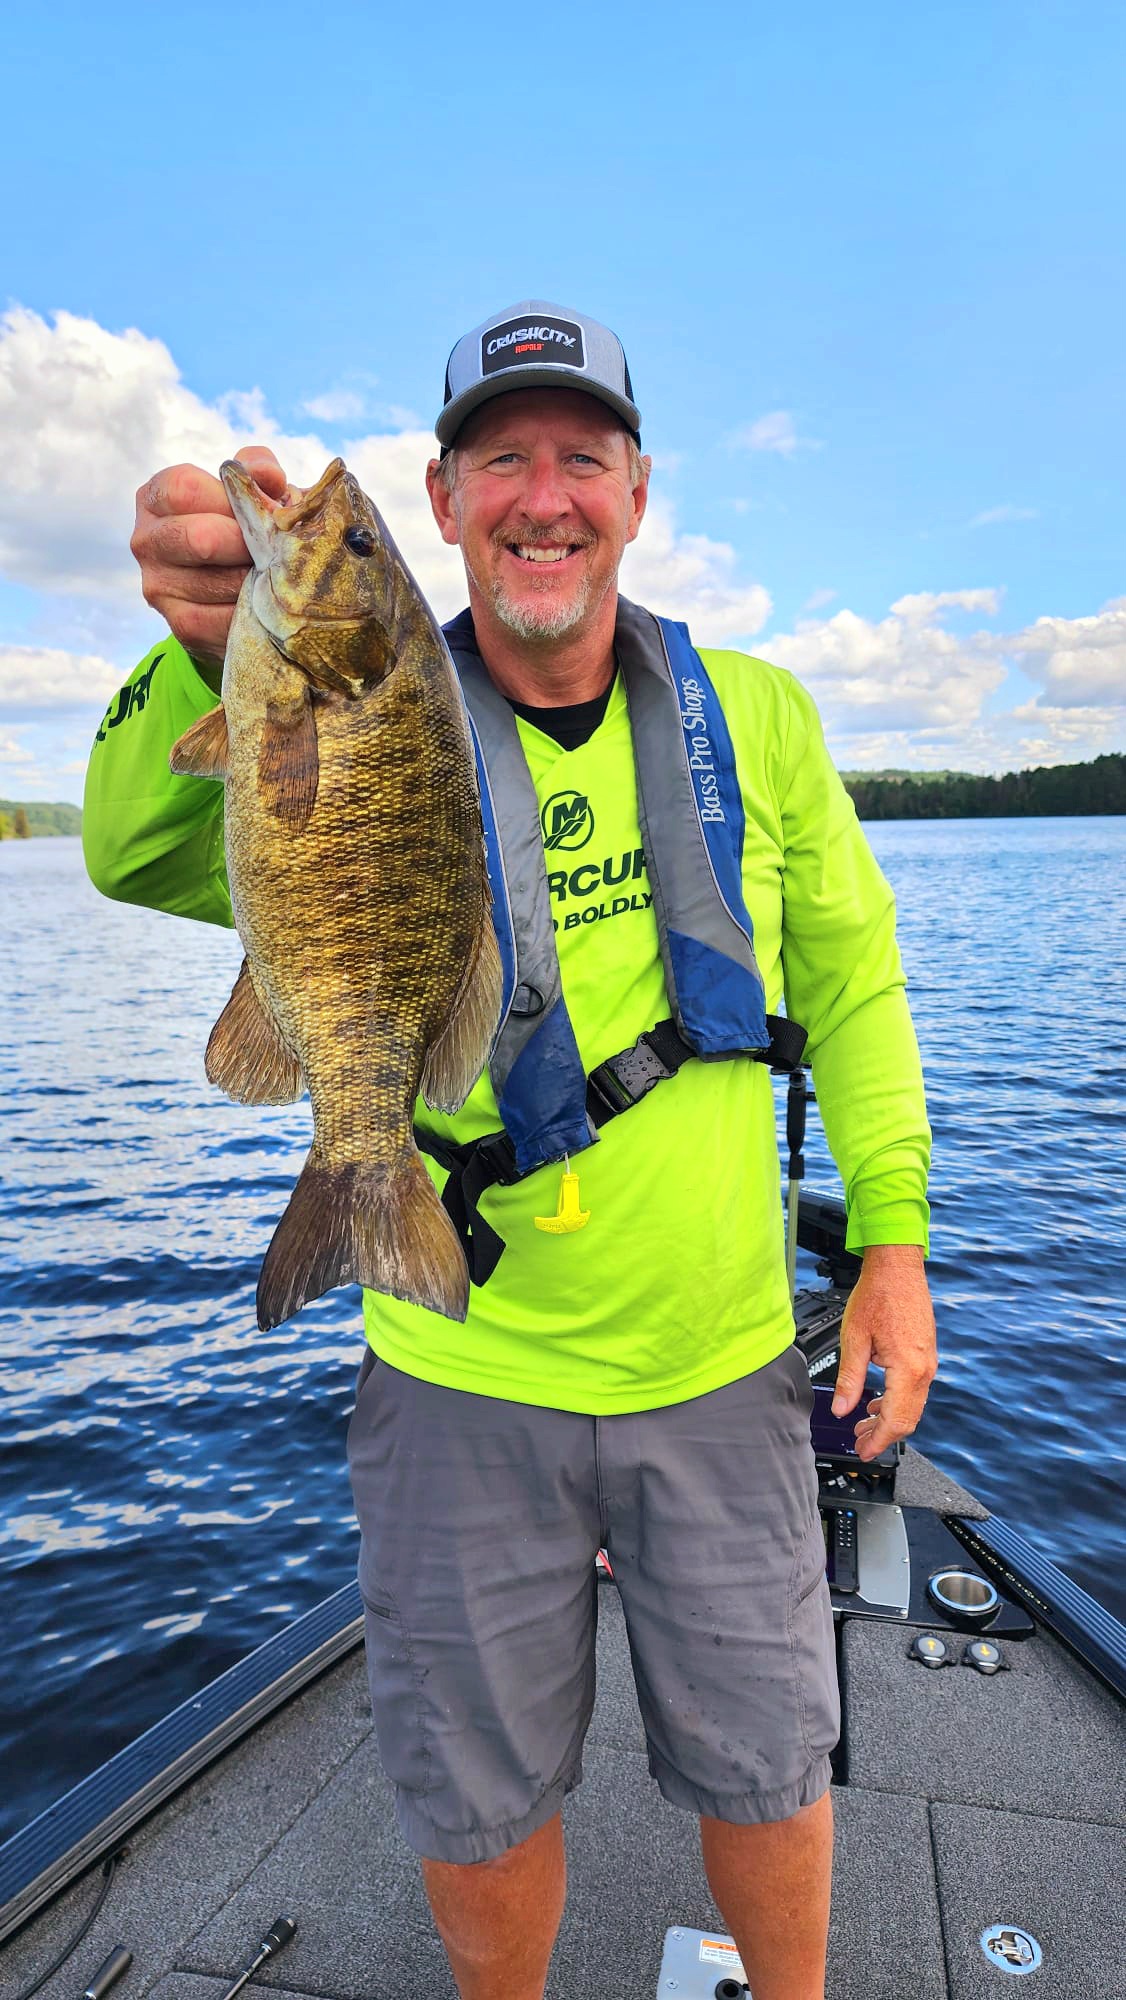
x,y
869,1088
149,837
887,1258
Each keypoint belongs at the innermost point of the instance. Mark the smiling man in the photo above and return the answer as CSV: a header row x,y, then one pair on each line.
x,y
672,853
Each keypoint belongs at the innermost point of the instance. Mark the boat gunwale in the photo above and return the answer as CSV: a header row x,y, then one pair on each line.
x,y
98,1814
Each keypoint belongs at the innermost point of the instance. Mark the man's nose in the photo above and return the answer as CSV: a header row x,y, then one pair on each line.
x,y
545,496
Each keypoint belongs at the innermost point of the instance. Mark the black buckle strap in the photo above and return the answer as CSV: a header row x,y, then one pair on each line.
x,y
471,1168
787,1044
615,1086
623,1080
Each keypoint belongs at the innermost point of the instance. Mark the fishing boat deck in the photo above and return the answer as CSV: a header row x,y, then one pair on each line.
x,y
962,1801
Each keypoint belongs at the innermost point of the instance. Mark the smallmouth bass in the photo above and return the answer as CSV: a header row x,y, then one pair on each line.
x,y
356,861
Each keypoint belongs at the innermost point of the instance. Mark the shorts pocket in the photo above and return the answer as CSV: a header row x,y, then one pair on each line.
x,y
395,1686
813,1645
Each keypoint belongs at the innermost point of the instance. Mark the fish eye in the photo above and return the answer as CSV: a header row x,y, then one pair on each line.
x,y
361,541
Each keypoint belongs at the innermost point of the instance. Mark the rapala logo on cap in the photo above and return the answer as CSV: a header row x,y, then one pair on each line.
x,y
515,343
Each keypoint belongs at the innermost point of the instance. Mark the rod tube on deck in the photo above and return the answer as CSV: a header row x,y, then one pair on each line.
x,y
273,1941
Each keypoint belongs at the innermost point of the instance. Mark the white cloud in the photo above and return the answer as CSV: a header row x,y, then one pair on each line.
x,y
400,417
905,671
339,406
907,691
35,680
86,415
818,599
994,515
774,432
391,467
693,578
1079,662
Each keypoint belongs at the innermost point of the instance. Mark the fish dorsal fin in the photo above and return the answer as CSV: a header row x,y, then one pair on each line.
x,y
202,751
247,1055
455,1060
289,761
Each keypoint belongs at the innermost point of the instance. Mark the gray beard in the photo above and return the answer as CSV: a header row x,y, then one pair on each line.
x,y
547,619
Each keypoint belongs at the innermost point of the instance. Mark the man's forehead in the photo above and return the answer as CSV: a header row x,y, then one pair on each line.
x,y
566,414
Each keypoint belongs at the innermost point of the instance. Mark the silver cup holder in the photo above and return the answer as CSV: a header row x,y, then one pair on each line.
x,y
963,1596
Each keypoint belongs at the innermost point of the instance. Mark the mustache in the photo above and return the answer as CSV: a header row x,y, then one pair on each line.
x,y
542,538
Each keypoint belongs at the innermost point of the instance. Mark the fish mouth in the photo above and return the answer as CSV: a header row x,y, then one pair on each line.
x,y
294,546
264,521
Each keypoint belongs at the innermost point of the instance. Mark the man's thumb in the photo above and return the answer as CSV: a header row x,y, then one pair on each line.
x,y
260,460
851,1377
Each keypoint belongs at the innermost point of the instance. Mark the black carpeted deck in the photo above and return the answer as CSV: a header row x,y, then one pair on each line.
x,y
969,1801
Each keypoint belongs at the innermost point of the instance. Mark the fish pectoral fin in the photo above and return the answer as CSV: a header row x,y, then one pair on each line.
x,y
366,1224
289,761
247,1055
202,751
456,1058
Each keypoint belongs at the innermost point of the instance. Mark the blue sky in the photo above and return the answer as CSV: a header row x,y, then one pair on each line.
x,y
867,265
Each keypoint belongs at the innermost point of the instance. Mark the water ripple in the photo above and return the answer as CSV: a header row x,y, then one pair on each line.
x,y
174,1485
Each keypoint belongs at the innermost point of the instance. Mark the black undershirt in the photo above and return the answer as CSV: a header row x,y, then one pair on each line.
x,y
570,726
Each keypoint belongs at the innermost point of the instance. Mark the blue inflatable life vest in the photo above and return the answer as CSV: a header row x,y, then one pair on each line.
x,y
691,817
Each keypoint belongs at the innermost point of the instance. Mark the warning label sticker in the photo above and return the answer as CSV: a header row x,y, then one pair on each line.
x,y
717,1951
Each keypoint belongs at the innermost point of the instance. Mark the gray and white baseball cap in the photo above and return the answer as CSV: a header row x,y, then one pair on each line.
x,y
535,345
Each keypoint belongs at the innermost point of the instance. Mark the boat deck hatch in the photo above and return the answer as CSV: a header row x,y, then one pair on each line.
x,y
701,1965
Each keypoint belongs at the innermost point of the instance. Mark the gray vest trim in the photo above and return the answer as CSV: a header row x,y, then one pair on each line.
x,y
681,875
520,855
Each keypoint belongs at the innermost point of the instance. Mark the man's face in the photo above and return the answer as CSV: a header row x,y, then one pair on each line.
x,y
542,508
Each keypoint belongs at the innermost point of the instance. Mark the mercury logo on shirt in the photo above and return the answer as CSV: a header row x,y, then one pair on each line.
x,y
567,820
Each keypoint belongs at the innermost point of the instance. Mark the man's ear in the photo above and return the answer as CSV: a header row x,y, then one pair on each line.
x,y
640,497
442,504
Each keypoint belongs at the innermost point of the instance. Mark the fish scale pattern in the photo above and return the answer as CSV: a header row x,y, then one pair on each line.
x,y
365,915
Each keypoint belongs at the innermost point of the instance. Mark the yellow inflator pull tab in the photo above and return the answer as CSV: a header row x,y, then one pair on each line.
x,y
568,1215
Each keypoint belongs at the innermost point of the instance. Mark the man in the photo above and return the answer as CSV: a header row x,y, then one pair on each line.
x,y
627,1376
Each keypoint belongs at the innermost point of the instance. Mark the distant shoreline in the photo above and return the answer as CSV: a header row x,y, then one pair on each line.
x,y
1096,789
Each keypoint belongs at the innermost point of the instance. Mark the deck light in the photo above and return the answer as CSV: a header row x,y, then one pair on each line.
x,y
931,1650
984,1655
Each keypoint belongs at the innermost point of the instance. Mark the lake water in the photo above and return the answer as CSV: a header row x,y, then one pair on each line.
x,y
172,1483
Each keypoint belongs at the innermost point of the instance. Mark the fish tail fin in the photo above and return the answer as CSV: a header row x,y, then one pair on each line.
x,y
364,1225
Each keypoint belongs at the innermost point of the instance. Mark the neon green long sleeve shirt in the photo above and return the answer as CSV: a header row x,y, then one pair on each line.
x,y
676,1283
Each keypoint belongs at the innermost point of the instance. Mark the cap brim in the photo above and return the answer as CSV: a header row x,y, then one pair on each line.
x,y
545,376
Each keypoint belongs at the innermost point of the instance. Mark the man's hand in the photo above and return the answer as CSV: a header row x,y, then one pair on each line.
x,y
191,551
889,1320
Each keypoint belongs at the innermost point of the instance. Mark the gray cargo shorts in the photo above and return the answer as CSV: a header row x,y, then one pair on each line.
x,y
480,1522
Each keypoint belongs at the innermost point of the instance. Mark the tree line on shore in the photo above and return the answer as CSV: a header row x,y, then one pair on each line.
x,y
20,819
1050,790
